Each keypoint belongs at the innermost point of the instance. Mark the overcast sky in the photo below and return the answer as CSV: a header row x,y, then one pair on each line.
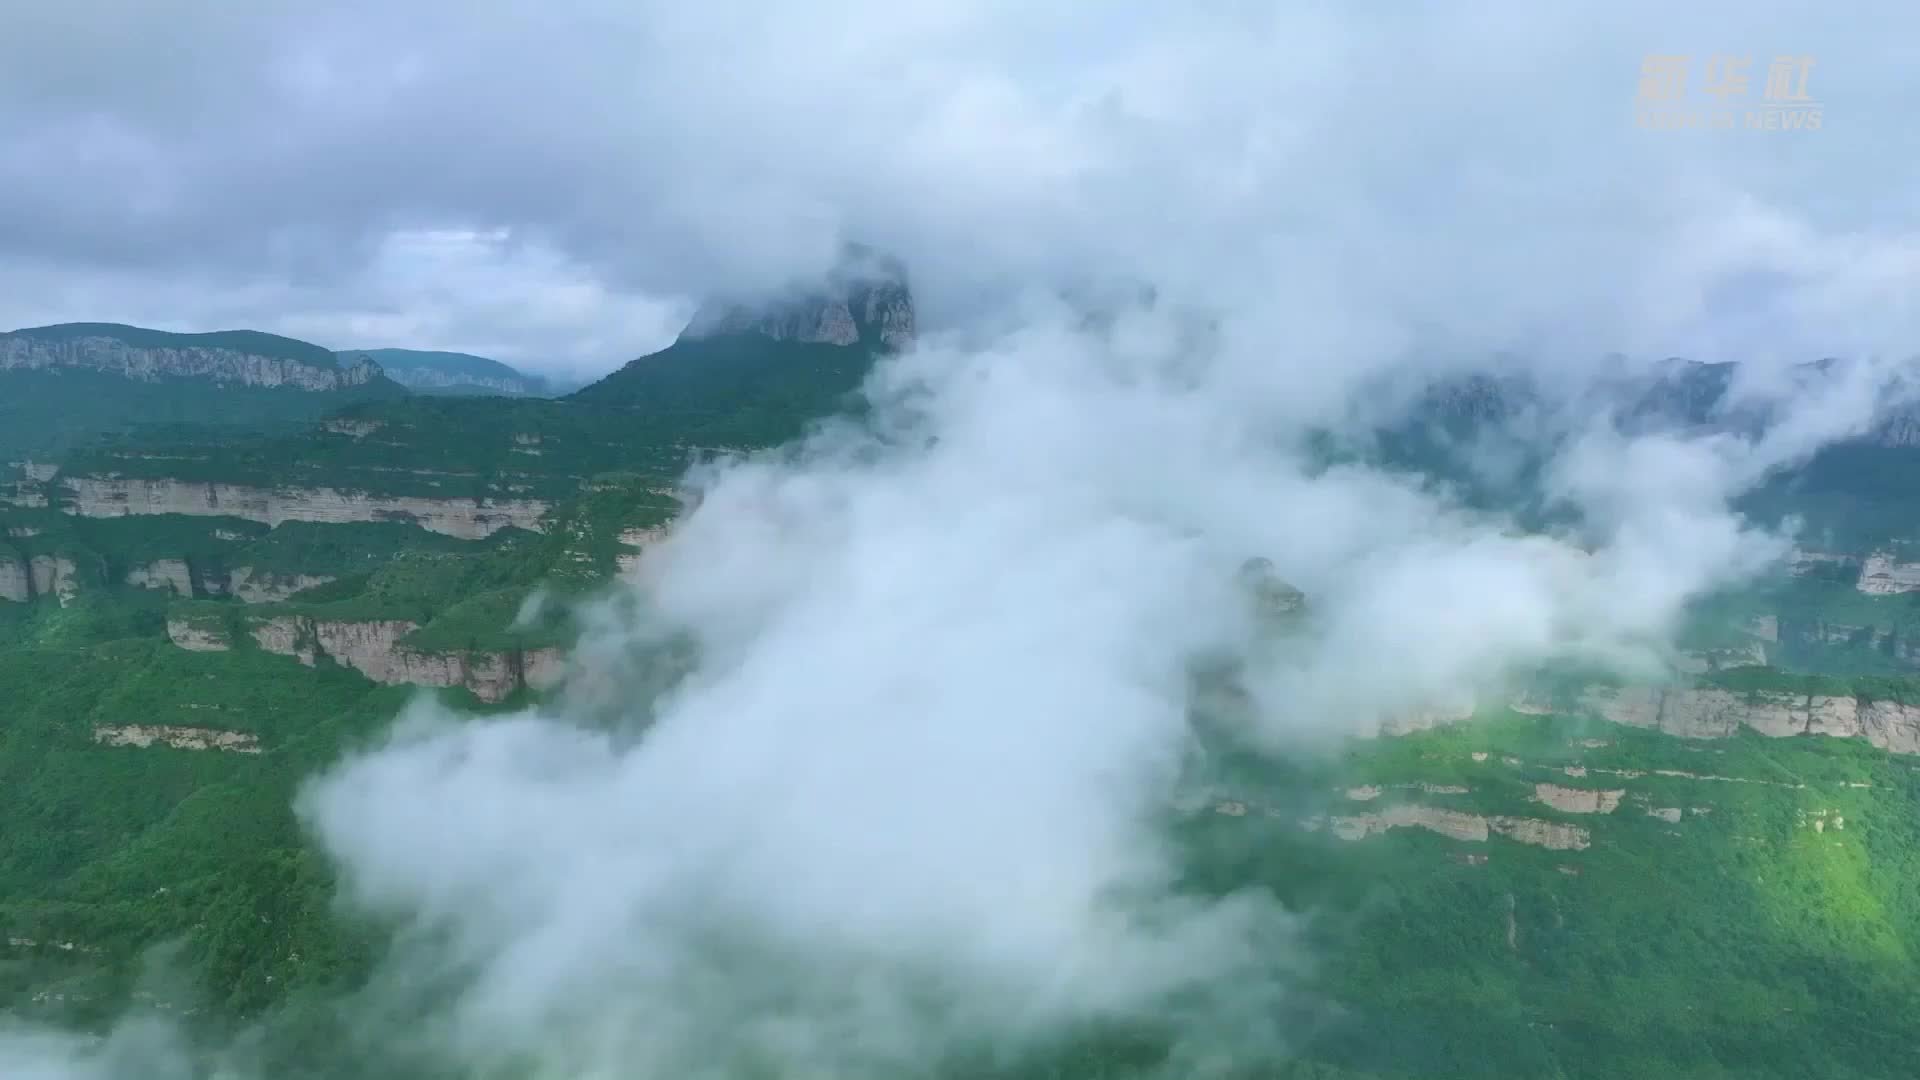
x,y
556,183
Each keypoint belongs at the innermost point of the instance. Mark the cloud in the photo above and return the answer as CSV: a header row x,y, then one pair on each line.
x,y
1479,173
911,798
134,1048
908,797
912,790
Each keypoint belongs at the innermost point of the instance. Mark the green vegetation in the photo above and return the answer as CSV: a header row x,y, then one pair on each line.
x,y
736,390
46,413
1749,908
1850,498
116,848
1822,623
1740,940
452,448
1736,941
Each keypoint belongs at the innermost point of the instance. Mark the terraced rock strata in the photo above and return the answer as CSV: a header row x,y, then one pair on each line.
x,y
1708,713
373,648
180,738
469,519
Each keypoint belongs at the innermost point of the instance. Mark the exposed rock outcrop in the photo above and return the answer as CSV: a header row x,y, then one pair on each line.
x,y
121,496
1411,721
198,636
1458,825
149,356
424,378
1807,561
163,574
1455,824
1547,834
1702,661
373,648
55,576
180,738
864,302
433,371
1273,599
25,494
1882,575
1818,633
1709,713
627,563
1578,800
15,582
23,579
253,586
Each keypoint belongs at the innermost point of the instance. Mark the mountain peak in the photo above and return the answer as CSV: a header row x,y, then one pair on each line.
x,y
436,372
863,300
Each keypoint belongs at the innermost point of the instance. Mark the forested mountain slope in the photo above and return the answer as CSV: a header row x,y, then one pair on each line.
x,y
1706,873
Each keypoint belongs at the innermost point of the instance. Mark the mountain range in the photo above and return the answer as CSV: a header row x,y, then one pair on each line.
x,y
431,372
230,556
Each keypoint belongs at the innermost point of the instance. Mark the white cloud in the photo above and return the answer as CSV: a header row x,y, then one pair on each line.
x,y
1474,174
913,781
916,787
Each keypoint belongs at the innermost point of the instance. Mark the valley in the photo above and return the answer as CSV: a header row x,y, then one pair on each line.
x,y
193,621
958,541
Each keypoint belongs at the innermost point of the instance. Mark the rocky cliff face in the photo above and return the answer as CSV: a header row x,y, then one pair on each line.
x,y
1900,429
1456,825
1573,800
180,738
252,586
1702,712
1676,393
24,579
634,542
420,378
247,584
1707,713
374,649
15,583
1905,649
863,302
150,363
118,496
23,490
54,576
1702,661
1882,575
197,637
170,574
45,575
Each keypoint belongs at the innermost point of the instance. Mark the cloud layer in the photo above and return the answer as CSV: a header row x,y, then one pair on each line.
x,y
554,184
910,802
